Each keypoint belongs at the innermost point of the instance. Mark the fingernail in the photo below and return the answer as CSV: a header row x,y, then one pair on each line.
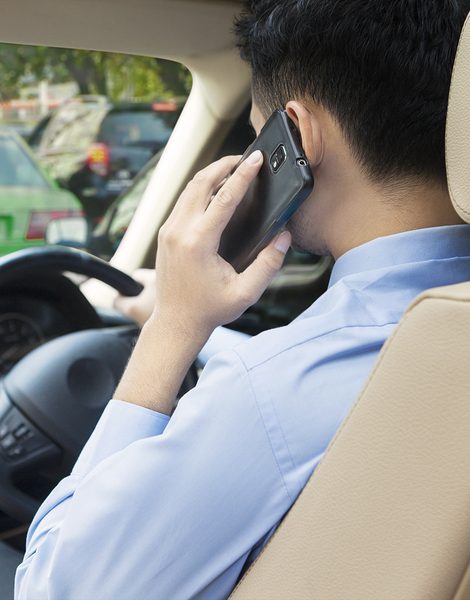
x,y
254,158
283,242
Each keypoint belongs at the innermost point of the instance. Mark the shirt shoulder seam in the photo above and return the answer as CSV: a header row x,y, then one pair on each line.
x,y
319,337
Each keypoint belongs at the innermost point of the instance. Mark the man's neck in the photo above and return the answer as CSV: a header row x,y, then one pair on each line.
x,y
376,213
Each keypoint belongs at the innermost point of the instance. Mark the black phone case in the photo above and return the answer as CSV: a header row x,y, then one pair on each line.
x,y
272,197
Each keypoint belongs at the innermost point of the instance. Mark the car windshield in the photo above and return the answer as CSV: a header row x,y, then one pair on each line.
x,y
16,167
127,128
93,121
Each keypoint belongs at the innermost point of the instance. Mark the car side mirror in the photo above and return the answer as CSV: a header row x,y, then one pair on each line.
x,y
68,231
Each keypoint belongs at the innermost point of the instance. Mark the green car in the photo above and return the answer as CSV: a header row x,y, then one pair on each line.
x,y
29,199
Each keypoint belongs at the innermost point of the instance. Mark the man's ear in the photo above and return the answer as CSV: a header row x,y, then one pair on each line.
x,y
310,131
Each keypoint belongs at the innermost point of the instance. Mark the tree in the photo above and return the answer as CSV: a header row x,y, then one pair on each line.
x,y
118,76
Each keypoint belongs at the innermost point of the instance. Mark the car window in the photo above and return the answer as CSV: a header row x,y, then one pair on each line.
x,y
93,121
134,127
16,167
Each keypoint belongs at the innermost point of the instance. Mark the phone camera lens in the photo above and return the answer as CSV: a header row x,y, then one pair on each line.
x,y
278,158
301,162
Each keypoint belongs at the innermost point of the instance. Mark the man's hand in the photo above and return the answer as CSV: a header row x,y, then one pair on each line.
x,y
139,308
196,290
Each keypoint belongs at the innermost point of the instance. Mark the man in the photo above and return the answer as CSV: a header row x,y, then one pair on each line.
x,y
165,504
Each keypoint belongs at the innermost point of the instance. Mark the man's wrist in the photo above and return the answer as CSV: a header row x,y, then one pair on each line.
x,y
190,336
164,352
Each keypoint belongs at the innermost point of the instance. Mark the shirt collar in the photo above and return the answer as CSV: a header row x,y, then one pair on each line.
x,y
418,245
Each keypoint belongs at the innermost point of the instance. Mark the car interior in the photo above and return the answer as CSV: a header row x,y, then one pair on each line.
x,y
385,515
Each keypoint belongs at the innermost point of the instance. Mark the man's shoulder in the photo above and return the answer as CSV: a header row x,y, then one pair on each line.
x,y
274,343
339,321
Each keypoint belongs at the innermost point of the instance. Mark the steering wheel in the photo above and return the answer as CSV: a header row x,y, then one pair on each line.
x,y
52,398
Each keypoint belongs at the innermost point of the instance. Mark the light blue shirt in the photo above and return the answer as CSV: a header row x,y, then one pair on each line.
x,y
173,509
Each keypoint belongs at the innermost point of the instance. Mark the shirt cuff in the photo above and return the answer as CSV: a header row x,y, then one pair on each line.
x,y
121,424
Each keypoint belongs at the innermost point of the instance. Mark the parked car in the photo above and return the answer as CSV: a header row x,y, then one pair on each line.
x,y
95,148
29,198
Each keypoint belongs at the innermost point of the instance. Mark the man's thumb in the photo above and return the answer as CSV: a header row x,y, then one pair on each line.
x,y
260,273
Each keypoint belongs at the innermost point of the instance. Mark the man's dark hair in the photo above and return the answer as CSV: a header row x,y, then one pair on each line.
x,y
382,68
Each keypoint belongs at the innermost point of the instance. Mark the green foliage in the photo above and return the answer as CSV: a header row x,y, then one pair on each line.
x,y
119,76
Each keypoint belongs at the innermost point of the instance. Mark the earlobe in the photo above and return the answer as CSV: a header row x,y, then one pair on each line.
x,y
310,131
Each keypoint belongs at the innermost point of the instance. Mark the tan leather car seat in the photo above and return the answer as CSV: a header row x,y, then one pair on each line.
x,y
386,516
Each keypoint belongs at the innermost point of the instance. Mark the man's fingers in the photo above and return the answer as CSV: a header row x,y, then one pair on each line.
x,y
256,278
224,203
139,308
145,276
122,303
205,183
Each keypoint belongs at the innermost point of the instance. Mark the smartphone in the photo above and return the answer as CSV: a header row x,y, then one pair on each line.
x,y
283,183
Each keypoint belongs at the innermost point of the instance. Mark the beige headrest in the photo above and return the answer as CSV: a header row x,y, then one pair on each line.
x,y
458,128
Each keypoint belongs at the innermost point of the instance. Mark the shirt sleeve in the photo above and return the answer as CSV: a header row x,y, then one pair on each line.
x,y
161,512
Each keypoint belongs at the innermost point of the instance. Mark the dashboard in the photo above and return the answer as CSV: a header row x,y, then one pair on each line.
x,y
26,323
36,312
18,335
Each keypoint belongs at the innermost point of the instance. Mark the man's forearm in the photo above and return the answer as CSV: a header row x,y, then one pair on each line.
x,y
196,290
161,358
